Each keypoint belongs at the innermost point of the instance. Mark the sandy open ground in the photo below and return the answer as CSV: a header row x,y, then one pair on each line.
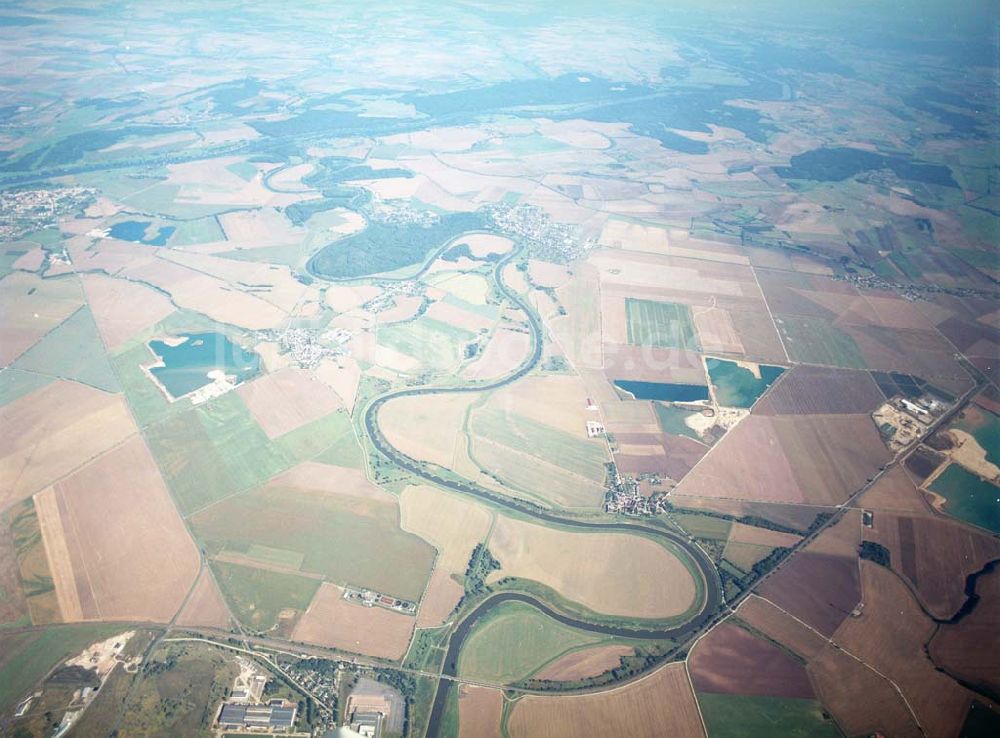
x,y
504,352
661,704
479,710
332,621
342,378
122,309
130,555
206,606
427,427
558,400
584,663
452,524
597,570
30,307
51,431
288,399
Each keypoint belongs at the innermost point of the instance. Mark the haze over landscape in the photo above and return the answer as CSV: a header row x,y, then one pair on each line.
x,y
492,370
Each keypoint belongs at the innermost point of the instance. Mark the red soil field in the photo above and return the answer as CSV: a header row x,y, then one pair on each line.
x,y
731,660
934,555
817,588
809,390
586,663
968,649
889,635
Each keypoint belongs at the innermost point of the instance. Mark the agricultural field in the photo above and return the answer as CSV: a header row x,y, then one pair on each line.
x,y
551,556
644,285
658,704
322,521
661,324
514,641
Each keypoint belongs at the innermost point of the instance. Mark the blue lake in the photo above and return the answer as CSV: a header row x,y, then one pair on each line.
x,y
135,231
663,391
186,365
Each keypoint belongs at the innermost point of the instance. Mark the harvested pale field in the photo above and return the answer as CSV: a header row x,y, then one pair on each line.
x,y
288,399
458,317
861,701
547,274
752,444
895,492
272,283
819,589
205,607
31,260
968,649
890,635
30,307
122,308
558,400
716,332
578,332
468,287
807,390
731,660
334,480
504,352
742,533
130,555
661,704
585,663
210,182
439,600
390,358
597,570
334,622
342,378
453,525
621,234
514,279
427,427
290,178
935,555
405,308
479,711
343,298
652,271
781,627
212,297
51,431
630,416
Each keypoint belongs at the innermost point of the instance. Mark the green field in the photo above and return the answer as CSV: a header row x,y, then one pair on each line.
x,y
15,383
818,341
199,230
344,538
575,454
72,350
258,596
660,324
744,555
27,657
703,526
671,420
736,386
732,716
431,342
217,449
969,498
514,641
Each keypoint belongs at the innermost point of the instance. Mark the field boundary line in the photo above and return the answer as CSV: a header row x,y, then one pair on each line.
x,y
843,650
